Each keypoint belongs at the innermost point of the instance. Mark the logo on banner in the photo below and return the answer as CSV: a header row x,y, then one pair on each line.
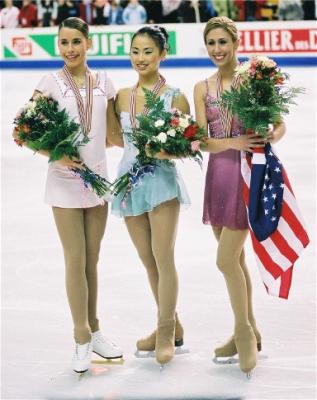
x,y
22,46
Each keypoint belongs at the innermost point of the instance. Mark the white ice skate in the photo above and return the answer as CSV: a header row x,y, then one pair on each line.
x,y
105,349
82,357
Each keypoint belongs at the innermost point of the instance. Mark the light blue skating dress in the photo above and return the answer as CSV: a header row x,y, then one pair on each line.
x,y
164,184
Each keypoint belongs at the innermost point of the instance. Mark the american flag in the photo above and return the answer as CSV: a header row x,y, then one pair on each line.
x,y
275,222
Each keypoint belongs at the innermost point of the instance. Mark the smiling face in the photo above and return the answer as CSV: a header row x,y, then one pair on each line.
x,y
73,46
220,47
145,55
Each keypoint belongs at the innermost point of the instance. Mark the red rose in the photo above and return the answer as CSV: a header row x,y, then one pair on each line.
x,y
190,131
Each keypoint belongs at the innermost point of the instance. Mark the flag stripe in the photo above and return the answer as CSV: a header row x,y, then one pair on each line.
x,y
289,236
295,224
265,257
272,284
281,243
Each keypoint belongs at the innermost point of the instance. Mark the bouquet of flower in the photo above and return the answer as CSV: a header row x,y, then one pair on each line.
x,y
262,97
173,132
42,126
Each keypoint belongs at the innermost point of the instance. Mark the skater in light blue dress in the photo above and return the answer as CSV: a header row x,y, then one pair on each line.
x,y
151,209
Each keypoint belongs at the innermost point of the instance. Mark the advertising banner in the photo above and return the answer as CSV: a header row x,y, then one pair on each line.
x,y
291,43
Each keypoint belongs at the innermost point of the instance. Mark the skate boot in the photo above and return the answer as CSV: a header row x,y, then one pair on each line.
x,y
148,343
82,357
165,339
245,341
229,348
104,348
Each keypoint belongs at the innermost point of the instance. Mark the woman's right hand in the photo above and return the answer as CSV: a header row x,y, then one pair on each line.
x,y
71,162
248,142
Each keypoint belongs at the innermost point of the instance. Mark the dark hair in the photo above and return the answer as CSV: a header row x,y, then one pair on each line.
x,y
75,23
155,32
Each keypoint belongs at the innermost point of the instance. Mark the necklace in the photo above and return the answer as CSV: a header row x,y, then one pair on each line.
x,y
225,113
159,84
84,111
79,81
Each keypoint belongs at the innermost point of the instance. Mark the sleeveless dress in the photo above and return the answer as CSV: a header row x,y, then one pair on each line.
x,y
63,187
165,183
223,199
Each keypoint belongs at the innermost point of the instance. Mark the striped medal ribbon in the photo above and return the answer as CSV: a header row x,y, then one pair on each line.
x,y
85,112
225,113
159,84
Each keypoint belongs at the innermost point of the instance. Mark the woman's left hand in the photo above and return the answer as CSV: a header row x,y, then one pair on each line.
x,y
275,133
269,138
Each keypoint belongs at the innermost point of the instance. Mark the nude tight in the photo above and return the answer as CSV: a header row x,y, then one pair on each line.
x,y
231,262
81,231
153,234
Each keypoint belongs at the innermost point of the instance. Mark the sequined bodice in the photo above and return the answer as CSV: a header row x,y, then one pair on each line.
x,y
214,123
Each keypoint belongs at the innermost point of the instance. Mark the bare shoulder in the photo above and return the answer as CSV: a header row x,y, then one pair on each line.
x,y
180,101
124,92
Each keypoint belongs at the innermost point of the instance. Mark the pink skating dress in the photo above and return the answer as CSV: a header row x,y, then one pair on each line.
x,y
223,201
64,188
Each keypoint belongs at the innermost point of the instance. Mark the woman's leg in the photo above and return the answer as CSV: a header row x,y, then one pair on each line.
x,y
228,349
140,232
95,219
230,247
228,261
70,226
164,221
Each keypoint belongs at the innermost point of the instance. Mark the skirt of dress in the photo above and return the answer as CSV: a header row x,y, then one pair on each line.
x,y
153,189
223,198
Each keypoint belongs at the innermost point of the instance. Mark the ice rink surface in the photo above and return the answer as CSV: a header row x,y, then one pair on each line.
x,y
37,342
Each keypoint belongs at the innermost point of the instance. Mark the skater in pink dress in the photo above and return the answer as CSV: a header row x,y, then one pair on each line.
x,y
80,215
224,207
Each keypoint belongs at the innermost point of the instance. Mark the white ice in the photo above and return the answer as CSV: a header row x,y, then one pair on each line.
x,y
37,342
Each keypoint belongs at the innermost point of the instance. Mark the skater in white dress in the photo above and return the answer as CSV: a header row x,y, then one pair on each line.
x,y
80,215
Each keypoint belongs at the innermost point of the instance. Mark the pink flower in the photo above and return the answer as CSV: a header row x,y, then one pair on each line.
x,y
195,145
174,122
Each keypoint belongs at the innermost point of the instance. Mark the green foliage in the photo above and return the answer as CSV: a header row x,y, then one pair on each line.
x,y
43,126
258,103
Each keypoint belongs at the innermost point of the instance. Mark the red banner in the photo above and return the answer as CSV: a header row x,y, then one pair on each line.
x,y
278,41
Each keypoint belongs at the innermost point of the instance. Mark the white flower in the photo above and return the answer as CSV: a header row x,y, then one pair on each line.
x,y
30,107
159,123
183,122
265,61
162,137
171,132
243,68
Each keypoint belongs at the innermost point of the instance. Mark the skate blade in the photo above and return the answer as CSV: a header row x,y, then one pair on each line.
x,y
249,375
144,354
80,375
225,360
111,361
181,350
151,354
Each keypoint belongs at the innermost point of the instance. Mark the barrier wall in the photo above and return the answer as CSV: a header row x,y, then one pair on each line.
x,y
289,43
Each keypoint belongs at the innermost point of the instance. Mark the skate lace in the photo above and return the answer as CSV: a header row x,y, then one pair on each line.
x,y
82,350
101,339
